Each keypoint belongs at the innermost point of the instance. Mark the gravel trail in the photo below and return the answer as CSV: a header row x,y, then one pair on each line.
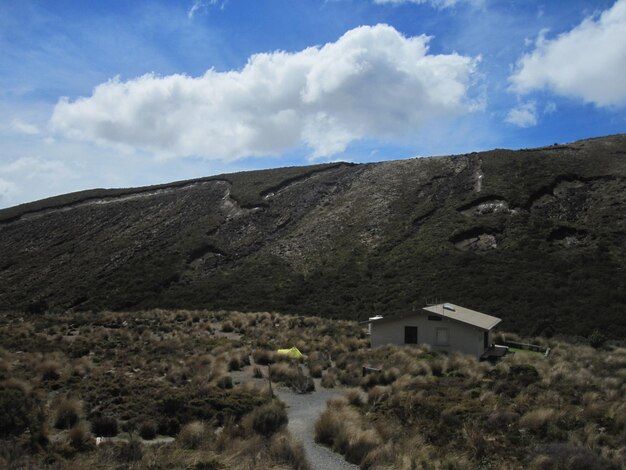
x,y
303,410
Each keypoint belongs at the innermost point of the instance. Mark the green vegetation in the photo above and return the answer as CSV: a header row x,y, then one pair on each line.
x,y
154,380
535,237
565,411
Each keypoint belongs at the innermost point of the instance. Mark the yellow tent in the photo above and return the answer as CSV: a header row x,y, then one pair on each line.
x,y
293,352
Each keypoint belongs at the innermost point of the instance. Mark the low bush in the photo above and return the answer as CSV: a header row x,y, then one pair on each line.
x,y
327,428
68,413
104,426
263,356
284,449
130,451
303,384
269,418
316,371
567,456
360,444
224,382
50,370
148,429
329,380
80,437
537,420
284,372
19,411
257,373
192,435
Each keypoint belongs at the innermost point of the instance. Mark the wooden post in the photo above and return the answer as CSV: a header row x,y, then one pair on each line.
x,y
269,379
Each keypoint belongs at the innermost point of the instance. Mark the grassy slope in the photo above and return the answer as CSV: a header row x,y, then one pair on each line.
x,y
414,209
171,368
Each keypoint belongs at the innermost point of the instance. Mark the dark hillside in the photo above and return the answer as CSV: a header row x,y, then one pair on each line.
x,y
536,236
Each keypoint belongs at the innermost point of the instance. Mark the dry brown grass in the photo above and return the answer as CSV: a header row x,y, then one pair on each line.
x,y
67,412
285,450
192,435
425,410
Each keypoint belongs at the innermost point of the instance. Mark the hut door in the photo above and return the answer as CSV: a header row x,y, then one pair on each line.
x,y
410,335
486,339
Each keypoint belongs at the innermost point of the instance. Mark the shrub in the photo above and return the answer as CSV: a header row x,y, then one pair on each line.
x,y
537,420
360,444
257,372
148,429
353,395
269,418
105,426
192,435
227,327
284,372
286,450
224,382
211,463
5,369
316,371
378,394
234,363
525,374
263,357
475,440
168,427
68,412
562,455
303,384
329,380
131,451
327,428
19,411
80,438
597,339
50,370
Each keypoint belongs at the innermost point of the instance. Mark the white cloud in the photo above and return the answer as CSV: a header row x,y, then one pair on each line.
x,y
588,62
549,108
371,83
7,189
25,178
21,127
435,3
197,5
523,115
30,168
202,6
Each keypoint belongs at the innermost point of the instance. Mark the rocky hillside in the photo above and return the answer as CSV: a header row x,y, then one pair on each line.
x,y
535,236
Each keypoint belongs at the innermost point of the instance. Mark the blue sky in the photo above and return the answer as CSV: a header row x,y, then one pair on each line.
x,y
128,93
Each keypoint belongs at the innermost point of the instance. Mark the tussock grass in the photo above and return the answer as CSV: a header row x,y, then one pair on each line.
x,y
68,411
192,435
285,450
269,418
80,438
173,368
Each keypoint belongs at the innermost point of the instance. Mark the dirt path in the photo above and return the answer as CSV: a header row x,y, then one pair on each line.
x,y
303,411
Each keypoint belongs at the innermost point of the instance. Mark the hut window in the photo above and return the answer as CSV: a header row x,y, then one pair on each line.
x,y
434,317
442,337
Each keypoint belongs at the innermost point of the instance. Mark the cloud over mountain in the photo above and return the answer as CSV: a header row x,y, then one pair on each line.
x,y
373,82
523,115
587,62
434,3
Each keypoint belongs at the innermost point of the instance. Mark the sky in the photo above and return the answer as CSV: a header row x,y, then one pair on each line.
x,y
122,93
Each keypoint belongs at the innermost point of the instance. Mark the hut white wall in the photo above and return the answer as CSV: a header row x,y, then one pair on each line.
x,y
462,337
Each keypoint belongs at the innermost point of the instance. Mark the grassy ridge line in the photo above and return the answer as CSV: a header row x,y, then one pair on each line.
x,y
265,181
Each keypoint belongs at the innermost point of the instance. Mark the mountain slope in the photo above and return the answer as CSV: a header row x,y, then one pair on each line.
x,y
536,236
